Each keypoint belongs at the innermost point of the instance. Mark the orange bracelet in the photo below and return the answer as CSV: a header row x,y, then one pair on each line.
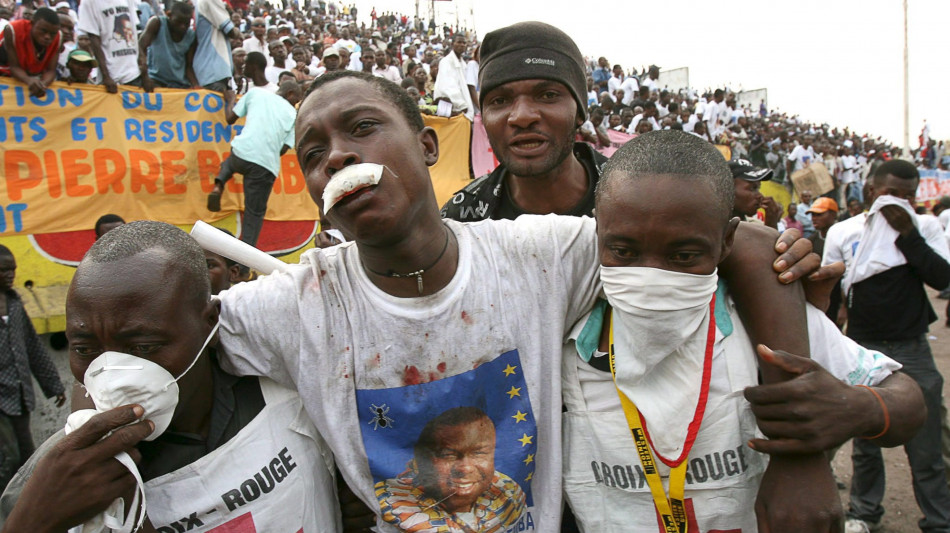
x,y
887,415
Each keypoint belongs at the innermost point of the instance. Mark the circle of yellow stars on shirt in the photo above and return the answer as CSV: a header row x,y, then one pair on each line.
x,y
525,440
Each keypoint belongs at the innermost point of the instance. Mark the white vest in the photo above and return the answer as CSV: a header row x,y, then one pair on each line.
x,y
274,475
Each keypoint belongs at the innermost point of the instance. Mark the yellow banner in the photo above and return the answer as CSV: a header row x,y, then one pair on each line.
x,y
79,152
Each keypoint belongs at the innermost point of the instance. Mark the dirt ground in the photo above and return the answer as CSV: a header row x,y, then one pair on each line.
x,y
901,512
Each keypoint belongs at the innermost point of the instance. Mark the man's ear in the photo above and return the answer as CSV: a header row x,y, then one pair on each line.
x,y
430,145
234,274
729,238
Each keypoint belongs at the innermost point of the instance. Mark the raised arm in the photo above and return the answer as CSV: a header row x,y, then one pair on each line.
x,y
932,268
151,30
49,73
816,411
774,314
96,43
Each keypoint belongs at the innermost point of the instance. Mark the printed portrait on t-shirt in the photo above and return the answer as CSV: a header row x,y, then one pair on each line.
x,y
455,454
123,29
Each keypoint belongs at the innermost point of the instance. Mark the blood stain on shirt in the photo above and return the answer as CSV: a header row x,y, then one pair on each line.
x,y
412,376
467,318
441,367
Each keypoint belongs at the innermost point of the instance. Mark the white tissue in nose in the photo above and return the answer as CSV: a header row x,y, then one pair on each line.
x,y
350,179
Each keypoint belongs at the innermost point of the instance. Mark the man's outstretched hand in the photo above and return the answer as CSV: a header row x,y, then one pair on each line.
x,y
815,411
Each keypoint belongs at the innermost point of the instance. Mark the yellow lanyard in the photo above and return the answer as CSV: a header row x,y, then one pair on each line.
x,y
672,508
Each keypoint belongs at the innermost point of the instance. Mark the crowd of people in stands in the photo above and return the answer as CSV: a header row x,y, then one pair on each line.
x,y
233,47
214,45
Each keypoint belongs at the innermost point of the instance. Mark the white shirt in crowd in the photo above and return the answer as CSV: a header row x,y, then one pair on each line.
x,y
630,88
471,73
636,120
389,72
115,22
848,169
802,157
713,118
272,73
253,44
613,84
451,83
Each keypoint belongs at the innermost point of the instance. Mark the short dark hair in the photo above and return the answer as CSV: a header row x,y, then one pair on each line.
x,y
396,94
107,219
675,153
898,168
184,8
256,59
46,14
141,235
5,252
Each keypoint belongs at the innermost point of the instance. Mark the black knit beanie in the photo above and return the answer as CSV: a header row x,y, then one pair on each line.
x,y
532,50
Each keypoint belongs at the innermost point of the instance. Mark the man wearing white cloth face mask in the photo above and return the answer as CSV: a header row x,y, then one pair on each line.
x,y
682,359
233,447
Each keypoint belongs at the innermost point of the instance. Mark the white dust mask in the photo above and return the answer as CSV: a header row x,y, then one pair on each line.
x,y
114,379
661,328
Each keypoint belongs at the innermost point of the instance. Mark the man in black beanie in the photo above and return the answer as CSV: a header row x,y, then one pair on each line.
x,y
533,94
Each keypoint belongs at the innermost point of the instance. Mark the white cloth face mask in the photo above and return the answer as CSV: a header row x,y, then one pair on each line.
x,y
644,290
114,379
661,329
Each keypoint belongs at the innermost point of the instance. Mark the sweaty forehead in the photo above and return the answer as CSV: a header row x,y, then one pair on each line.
x,y
143,277
644,193
342,94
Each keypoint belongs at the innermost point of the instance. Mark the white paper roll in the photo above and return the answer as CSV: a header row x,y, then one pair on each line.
x,y
219,242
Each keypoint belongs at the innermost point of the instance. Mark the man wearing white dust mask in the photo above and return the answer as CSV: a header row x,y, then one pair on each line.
x,y
219,451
